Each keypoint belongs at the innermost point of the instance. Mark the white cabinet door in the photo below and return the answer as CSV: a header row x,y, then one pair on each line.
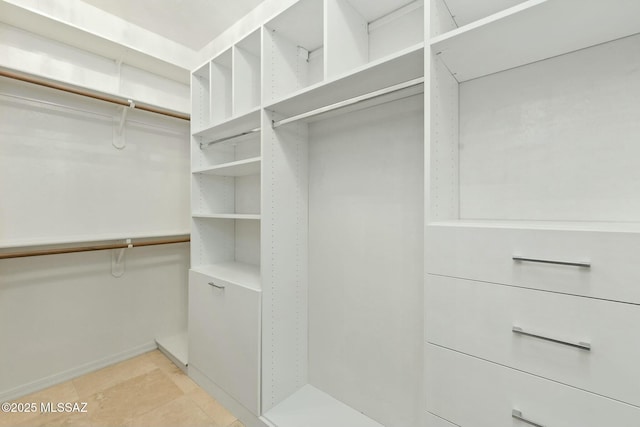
x,y
224,336
478,318
486,254
474,393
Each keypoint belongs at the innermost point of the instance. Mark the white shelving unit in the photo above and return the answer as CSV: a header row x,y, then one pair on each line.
x,y
254,180
201,98
532,205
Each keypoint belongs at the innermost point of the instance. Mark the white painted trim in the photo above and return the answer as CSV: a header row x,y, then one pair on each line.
x,y
248,418
75,372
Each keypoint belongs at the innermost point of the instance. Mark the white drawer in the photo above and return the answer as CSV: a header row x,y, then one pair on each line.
x,y
474,393
477,318
224,336
486,254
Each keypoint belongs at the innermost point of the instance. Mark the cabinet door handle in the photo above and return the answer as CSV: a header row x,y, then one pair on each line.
x,y
216,286
518,416
581,345
549,261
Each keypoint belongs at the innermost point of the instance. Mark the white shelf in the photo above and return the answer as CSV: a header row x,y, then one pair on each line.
x,y
310,407
240,168
232,126
607,227
400,67
164,62
241,274
468,11
533,31
175,347
227,216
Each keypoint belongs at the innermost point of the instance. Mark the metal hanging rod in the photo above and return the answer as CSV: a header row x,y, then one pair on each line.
x,y
90,248
352,101
228,138
28,78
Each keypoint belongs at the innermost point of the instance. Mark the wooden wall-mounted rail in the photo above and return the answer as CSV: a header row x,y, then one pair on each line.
x,y
29,78
90,248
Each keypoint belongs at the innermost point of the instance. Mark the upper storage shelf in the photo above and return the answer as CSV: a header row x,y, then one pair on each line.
x,y
362,31
533,31
449,14
400,67
294,49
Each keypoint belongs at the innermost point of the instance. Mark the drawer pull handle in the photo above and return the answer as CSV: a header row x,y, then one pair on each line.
x,y
518,416
548,261
581,345
216,286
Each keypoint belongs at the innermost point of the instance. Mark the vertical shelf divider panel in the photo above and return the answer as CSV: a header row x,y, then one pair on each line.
x,y
221,84
360,31
444,167
201,98
284,264
293,50
246,74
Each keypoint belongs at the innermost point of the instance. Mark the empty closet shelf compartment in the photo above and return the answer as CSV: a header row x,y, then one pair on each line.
x,y
471,392
582,342
400,67
533,31
311,407
224,336
596,264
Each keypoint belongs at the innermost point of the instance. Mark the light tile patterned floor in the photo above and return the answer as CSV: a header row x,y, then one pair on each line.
x,y
146,391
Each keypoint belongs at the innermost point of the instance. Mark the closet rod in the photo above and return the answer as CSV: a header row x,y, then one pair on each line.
x,y
90,248
28,78
228,138
352,101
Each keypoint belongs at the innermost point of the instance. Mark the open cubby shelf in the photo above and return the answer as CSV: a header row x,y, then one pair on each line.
x,y
399,67
533,31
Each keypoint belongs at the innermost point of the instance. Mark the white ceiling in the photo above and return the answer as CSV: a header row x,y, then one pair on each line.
x,y
192,23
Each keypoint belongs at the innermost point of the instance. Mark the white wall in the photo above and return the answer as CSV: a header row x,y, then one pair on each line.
x,y
365,260
60,177
64,315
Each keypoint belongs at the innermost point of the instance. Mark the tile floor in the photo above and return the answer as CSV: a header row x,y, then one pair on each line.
x,y
147,390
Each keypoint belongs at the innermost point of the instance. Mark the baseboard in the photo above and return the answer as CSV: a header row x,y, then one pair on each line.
x,y
175,347
248,418
70,374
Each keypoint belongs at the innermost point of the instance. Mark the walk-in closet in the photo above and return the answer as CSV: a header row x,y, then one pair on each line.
x,y
312,213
